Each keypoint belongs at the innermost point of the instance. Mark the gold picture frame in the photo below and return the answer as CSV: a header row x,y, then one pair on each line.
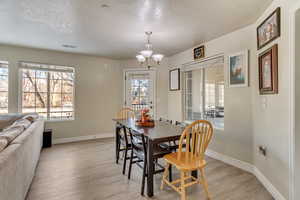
x,y
199,52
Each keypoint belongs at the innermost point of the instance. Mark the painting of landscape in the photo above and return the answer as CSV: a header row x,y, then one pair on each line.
x,y
238,69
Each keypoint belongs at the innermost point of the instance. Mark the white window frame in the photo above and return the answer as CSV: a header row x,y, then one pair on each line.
x,y
199,65
47,68
2,62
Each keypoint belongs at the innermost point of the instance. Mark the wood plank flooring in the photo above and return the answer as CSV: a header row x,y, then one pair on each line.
x,y
87,171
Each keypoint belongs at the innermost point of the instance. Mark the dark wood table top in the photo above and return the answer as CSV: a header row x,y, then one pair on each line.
x,y
162,131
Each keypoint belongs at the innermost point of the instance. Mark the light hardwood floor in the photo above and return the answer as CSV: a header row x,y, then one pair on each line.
x,y
87,171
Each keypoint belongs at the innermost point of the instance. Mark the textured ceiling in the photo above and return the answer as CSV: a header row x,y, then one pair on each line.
x,y
115,28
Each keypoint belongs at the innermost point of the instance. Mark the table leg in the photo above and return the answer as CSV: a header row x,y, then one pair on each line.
x,y
150,167
117,142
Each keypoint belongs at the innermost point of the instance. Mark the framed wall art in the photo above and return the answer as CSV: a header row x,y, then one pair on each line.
x,y
174,79
269,29
268,71
238,69
199,52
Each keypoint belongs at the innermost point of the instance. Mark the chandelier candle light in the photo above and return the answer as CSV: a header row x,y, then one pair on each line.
x,y
147,55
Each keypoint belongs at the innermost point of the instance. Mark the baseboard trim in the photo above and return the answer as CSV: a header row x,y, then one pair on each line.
x,y
231,161
268,185
249,168
82,138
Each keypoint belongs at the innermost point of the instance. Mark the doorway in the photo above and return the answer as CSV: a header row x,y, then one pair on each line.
x,y
140,90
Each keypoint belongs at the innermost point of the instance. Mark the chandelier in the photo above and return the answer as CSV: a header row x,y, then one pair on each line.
x,y
146,56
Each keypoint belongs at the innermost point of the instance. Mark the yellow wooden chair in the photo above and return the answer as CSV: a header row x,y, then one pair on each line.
x,y
126,113
197,137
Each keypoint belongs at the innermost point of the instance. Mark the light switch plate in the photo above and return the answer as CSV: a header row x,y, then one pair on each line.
x,y
264,103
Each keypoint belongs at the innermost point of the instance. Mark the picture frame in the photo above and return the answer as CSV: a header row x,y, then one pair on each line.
x,y
174,79
269,29
199,52
238,67
268,71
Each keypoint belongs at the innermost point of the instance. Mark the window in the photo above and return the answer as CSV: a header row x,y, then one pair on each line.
x,y
3,87
47,90
139,91
204,93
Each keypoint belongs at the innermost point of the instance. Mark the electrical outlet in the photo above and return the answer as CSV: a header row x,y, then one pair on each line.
x,y
262,150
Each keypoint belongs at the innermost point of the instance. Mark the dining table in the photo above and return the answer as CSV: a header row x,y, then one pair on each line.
x,y
160,133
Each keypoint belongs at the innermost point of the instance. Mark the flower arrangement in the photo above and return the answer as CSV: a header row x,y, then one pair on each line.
x,y
145,119
145,115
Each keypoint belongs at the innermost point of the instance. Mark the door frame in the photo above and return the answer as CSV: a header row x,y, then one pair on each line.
x,y
292,150
138,69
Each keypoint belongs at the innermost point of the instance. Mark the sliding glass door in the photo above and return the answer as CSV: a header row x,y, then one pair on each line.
x,y
204,94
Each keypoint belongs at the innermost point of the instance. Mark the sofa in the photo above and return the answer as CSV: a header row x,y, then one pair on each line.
x,y
20,156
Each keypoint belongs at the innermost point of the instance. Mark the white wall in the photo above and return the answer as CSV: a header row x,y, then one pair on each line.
x,y
95,103
247,123
297,106
271,126
236,139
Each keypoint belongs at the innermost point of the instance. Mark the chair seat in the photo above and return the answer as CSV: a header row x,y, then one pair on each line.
x,y
187,161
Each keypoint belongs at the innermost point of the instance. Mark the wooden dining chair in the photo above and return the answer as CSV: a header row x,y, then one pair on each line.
x,y
139,154
197,136
124,113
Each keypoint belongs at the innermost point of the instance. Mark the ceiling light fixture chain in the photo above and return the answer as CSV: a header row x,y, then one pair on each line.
x,y
148,33
146,56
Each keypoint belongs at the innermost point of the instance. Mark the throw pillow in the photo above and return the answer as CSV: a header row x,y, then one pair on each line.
x,y
21,122
11,133
8,119
31,117
3,144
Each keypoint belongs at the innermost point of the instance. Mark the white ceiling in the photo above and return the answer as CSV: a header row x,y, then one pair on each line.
x,y
117,31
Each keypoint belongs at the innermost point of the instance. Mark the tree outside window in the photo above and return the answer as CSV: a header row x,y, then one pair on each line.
x,y
49,93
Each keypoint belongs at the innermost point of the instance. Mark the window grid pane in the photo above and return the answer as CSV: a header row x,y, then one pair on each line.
x,y
3,83
3,87
39,85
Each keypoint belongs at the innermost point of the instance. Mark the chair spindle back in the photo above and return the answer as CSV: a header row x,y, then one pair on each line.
x,y
197,137
138,141
126,113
